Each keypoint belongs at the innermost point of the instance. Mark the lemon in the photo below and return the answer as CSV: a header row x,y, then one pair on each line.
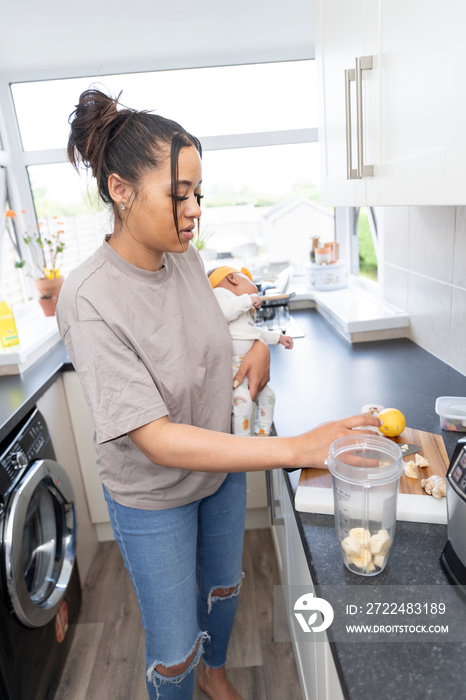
x,y
393,422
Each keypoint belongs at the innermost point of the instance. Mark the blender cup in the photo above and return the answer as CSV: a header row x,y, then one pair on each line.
x,y
365,472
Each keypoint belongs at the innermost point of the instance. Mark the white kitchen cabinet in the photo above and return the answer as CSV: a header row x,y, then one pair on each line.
x,y
455,176
413,108
83,432
316,667
257,494
340,38
276,504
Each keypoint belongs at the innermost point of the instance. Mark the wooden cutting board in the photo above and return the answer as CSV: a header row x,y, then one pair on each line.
x,y
315,494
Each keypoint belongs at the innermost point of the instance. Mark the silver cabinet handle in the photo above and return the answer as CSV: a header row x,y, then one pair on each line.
x,y
273,502
351,173
362,63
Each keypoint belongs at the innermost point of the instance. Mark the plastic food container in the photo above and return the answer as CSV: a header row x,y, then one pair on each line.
x,y
365,472
323,255
326,277
452,412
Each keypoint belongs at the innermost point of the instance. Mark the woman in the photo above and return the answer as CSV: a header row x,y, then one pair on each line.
x,y
152,349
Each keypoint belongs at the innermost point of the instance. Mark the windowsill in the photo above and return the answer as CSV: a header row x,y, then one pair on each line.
x,y
37,335
354,312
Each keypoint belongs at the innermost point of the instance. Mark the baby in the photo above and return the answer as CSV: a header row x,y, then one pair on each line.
x,y
238,298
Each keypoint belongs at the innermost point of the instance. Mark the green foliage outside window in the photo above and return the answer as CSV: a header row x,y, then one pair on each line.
x,y
367,254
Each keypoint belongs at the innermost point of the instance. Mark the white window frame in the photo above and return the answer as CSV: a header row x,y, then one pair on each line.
x,y
346,231
17,181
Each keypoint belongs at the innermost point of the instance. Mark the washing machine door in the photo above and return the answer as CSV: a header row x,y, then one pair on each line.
x,y
39,542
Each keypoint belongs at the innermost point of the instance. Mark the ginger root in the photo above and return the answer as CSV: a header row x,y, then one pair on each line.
x,y
435,486
371,409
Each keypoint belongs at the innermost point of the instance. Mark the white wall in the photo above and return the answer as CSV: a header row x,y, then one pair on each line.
x,y
424,273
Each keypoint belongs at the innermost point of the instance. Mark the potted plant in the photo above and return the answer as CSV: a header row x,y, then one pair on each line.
x,y
201,244
46,247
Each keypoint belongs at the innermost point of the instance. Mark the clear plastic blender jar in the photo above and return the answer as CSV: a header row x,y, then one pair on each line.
x,y
365,472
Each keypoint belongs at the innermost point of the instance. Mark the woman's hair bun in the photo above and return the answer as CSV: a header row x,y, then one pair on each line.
x,y
92,123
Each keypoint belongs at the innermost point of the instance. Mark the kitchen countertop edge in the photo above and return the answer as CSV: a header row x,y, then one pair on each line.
x,y
20,392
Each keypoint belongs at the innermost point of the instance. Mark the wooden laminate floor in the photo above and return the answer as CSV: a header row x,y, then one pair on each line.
x,y
106,660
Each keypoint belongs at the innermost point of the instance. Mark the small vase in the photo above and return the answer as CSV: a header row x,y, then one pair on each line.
x,y
48,304
49,291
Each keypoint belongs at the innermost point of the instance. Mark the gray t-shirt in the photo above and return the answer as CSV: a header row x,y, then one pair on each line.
x,y
147,345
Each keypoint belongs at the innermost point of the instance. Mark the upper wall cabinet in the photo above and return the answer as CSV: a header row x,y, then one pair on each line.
x,y
393,109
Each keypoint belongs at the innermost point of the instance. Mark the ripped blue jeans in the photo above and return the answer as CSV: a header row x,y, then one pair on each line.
x,y
176,558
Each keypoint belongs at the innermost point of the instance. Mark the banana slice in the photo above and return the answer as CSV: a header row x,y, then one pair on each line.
x,y
364,561
361,534
379,560
380,543
351,546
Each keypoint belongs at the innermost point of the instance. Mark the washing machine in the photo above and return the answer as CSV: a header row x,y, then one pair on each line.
x,y
40,594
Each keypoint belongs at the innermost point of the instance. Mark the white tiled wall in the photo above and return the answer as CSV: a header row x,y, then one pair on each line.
x,y
424,273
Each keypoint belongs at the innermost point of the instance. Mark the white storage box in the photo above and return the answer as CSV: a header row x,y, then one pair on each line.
x,y
452,412
326,277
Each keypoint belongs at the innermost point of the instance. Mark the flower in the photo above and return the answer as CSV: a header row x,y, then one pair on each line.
x,y
46,247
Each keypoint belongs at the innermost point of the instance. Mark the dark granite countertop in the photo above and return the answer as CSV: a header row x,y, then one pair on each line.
x,y
322,378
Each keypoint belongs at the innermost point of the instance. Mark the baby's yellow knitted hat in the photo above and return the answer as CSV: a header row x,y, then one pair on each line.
x,y
219,274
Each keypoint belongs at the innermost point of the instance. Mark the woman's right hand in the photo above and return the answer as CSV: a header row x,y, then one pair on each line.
x,y
313,447
256,367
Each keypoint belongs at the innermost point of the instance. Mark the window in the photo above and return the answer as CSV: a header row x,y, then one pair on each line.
x,y
257,124
59,191
206,101
367,243
12,280
356,231
249,195
15,291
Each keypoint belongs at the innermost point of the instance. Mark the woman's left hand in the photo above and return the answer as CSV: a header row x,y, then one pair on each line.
x,y
256,367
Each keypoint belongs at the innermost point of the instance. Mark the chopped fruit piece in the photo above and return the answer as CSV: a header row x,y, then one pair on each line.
x,y
410,470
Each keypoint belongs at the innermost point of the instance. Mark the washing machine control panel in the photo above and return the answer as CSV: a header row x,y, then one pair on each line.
x,y
19,460
27,445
